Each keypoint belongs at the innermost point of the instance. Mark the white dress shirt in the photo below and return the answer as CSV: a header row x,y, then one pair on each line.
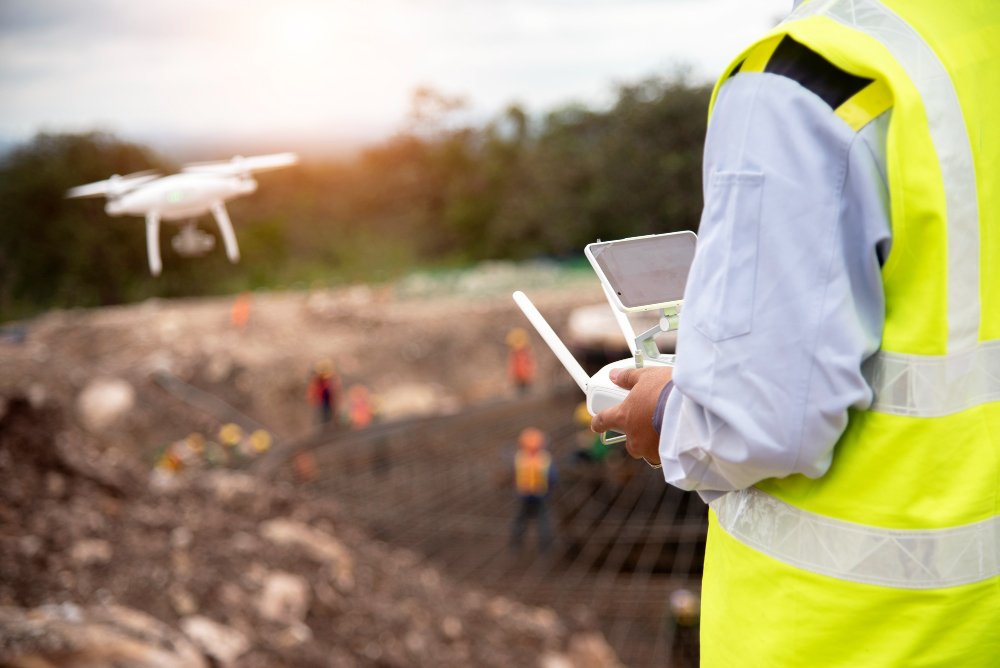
x,y
784,300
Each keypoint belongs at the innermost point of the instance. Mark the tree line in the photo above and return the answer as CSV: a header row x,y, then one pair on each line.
x,y
439,193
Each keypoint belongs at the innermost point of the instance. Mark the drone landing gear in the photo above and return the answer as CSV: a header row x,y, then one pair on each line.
x,y
226,228
153,242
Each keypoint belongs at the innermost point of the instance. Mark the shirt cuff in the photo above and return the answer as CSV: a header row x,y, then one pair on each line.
x,y
661,405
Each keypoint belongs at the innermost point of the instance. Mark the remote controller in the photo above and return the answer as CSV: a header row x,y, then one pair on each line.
x,y
601,393
646,273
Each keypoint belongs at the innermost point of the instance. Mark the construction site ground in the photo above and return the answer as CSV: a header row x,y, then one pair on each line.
x,y
389,548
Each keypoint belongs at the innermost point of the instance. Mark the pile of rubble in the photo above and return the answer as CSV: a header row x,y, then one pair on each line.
x,y
100,566
417,355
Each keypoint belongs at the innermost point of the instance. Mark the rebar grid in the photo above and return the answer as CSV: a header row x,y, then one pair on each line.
x,y
436,486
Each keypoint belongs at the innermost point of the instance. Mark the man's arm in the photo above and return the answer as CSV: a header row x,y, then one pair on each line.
x,y
784,300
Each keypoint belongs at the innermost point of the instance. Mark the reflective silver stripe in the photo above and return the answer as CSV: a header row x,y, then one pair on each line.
x,y
905,559
927,386
951,141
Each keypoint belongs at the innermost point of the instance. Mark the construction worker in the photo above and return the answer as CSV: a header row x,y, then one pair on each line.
x,y
171,459
360,407
590,446
520,360
230,434
190,450
231,437
534,477
684,608
323,392
215,455
239,315
260,441
836,397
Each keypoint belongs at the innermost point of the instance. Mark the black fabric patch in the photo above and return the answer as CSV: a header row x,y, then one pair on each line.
x,y
736,70
814,72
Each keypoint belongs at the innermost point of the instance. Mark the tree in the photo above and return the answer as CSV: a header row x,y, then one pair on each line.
x,y
633,169
442,191
58,251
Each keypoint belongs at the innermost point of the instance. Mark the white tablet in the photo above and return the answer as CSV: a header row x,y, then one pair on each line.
x,y
644,273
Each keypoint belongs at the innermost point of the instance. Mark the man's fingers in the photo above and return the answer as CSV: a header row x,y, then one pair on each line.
x,y
626,378
597,423
606,419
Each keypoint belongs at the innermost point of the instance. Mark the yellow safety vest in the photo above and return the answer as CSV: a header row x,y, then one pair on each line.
x,y
893,557
532,473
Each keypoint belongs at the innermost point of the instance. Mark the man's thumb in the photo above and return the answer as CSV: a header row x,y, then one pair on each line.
x,y
625,378
597,424
604,420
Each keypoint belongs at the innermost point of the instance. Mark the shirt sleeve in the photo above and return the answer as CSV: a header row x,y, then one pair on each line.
x,y
784,300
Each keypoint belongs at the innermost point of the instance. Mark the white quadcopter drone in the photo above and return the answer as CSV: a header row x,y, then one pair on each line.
x,y
198,189
645,273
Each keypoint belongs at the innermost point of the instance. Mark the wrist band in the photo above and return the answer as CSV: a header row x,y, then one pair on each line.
x,y
661,404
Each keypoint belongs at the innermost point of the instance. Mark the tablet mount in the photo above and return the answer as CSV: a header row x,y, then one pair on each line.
x,y
601,392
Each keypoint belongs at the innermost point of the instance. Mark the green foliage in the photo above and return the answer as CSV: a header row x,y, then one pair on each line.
x,y
439,194
54,251
635,169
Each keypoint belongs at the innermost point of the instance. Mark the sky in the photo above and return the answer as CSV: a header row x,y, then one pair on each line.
x,y
326,71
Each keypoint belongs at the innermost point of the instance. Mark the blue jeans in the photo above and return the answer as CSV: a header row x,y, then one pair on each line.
x,y
532,506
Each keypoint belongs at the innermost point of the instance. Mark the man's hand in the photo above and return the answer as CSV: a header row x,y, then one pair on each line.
x,y
634,416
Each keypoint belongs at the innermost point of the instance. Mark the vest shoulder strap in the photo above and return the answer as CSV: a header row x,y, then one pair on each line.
x,y
856,100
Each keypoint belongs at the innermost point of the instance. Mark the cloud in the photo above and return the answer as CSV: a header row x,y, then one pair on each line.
x,y
277,66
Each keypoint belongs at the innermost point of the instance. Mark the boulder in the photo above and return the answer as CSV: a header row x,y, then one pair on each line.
x,y
284,598
91,551
70,636
318,544
222,643
103,402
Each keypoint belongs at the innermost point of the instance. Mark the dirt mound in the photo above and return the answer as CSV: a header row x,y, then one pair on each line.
x,y
421,347
100,563
95,546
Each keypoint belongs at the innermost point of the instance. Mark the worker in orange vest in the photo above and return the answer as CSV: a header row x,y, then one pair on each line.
x,y
520,360
360,409
240,313
534,477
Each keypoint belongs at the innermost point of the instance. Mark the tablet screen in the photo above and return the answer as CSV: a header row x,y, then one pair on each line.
x,y
646,271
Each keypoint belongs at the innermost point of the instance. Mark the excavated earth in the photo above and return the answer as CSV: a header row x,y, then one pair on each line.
x,y
105,560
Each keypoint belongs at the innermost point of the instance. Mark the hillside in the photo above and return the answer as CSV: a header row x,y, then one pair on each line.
x,y
103,559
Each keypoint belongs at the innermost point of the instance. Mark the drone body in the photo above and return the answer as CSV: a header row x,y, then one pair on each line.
x,y
180,196
199,189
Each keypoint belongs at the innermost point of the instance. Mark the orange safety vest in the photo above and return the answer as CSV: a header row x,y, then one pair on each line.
x,y
532,473
360,413
521,365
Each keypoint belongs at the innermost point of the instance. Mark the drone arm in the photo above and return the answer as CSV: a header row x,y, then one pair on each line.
x,y
240,165
226,228
153,242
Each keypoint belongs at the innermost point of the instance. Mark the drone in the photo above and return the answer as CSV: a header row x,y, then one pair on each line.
x,y
198,189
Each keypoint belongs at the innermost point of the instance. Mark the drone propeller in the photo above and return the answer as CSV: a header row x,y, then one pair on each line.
x,y
240,165
116,186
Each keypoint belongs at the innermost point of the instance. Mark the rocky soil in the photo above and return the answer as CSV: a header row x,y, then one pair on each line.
x,y
424,345
104,562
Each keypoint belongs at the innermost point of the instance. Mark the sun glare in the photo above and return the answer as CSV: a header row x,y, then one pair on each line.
x,y
297,31
311,66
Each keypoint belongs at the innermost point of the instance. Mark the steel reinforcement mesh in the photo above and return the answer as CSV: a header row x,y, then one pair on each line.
x,y
624,541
